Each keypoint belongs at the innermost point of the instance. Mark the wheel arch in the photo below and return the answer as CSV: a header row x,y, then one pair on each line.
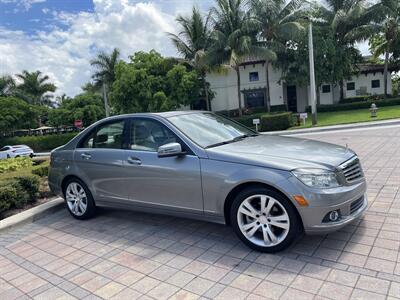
x,y
67,178
237,189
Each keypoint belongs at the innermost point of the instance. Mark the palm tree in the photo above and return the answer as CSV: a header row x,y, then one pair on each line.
x,y
234,38
105,73
7,85
34,86
192,42
349,21
386,22
278,21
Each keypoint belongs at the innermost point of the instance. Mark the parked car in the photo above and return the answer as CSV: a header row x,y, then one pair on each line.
x,y
204,166
16,151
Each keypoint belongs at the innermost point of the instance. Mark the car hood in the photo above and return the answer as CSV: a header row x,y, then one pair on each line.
x,y
286,153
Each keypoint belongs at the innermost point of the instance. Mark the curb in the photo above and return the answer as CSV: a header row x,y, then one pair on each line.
x,y
336,127
31,215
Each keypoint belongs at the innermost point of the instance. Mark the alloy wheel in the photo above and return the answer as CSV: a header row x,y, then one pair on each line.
x,y
263,220
76,199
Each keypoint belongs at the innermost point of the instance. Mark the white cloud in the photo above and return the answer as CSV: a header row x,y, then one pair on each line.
x,y
64,54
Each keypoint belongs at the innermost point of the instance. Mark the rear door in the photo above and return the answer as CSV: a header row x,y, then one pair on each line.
x,y
100,161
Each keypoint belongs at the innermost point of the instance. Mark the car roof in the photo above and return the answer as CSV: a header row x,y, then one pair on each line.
x,y
166,114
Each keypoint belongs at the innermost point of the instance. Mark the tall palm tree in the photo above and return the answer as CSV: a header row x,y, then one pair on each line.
x,y
348,20
386,23
192,42
279,23
7,85
105,72
234,38
34,86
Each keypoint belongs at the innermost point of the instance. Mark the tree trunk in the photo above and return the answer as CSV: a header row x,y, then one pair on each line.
x,y
385,74
106,107
268,95
238,90
341,88
206,92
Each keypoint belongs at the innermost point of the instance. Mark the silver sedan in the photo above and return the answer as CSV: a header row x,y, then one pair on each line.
x,y
204,166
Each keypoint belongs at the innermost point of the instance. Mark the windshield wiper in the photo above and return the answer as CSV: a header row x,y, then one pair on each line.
x,y
236,139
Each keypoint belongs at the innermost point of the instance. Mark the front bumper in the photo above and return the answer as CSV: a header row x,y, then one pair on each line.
x,y
347,216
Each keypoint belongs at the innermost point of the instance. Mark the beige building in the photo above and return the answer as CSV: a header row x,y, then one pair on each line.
x,y
369,81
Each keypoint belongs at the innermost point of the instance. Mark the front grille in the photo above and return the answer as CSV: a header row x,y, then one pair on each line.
x,y
354,206
352,170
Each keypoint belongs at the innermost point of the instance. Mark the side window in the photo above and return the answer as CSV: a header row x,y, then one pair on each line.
x,y
108,136
148,135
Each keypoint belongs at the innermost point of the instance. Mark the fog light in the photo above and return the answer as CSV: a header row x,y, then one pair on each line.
x,y
334,216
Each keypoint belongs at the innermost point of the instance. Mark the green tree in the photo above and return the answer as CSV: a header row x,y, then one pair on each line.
x,y
279,24
87,107
386,24
7,85
34,87
192,42
150,83
16,114
234,39
104,75
349,21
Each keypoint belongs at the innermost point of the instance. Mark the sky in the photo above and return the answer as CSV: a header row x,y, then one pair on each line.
x,y
59,37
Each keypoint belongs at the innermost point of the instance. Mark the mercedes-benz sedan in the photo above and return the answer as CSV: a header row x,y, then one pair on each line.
x,y
204,166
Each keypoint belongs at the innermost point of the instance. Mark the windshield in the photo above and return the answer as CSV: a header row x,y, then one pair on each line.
x,y
208,130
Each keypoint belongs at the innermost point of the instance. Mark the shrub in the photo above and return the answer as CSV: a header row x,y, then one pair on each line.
x,y
42,142
276,121
248,119
357,105
14,164
30,185
7,196
42,169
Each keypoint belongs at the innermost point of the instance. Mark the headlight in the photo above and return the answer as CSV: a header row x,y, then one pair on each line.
x,y
317,178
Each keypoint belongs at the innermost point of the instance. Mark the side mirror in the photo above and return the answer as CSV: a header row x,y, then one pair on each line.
x,y
171,149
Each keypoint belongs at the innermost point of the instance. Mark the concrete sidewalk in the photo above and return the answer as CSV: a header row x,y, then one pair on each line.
x,y
360,125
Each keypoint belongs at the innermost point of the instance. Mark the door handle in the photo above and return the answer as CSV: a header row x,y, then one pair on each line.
x,y
86,156
134,161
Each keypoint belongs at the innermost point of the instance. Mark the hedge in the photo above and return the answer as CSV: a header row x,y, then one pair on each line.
x,y
276,121
19,191
14,164
252,111
41,142
356,105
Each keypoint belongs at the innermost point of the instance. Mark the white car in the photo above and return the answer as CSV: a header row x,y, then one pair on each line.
x,y
16,151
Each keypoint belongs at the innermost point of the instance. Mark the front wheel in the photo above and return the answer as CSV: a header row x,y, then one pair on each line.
x,y
78,199
264,219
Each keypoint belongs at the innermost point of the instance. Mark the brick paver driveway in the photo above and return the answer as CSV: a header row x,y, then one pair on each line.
x,y
126,255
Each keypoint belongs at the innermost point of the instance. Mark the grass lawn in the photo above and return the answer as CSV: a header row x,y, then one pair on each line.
x,y
352,116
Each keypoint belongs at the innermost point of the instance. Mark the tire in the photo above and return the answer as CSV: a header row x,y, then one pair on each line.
x,y
78,199
268,232
8,156
31,155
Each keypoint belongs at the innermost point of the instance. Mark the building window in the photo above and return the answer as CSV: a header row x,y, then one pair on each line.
x,y
351,86
376,83
326,88
254,99
253,76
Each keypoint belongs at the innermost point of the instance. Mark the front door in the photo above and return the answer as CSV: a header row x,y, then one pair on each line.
x,y
292,98
100,162
167,182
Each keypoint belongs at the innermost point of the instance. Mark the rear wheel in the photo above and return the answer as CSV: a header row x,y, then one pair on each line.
x,y
264,219
78,199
